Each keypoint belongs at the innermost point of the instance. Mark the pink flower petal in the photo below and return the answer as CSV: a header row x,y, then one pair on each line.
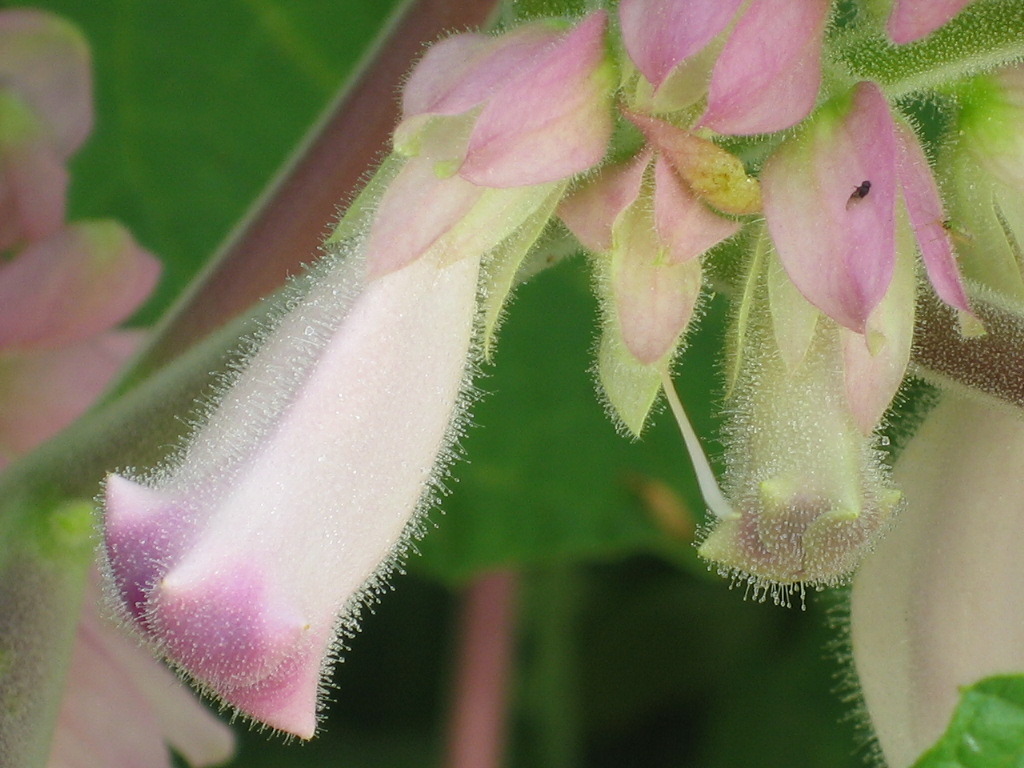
x,y
45,60
911,20
416,210
928,219
683,223
874,364
465,70
660,34
33,187
767,76
123,708
551,122
83,280
591,211
834,235
654,298
43,391
293,500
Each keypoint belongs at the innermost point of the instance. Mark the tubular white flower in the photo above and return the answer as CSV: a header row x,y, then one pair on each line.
x,y
296,496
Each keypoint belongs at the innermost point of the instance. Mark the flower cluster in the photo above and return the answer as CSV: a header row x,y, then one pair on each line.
x,y
63,289
654,136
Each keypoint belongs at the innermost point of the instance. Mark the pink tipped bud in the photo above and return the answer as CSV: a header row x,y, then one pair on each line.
x,y
647,237
544,101
767,76
661,34
911,20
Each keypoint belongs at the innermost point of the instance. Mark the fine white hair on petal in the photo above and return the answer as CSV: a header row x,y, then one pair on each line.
x,y
245,554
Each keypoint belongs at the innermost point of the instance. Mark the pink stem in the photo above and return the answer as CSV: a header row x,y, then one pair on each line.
x,y
477,730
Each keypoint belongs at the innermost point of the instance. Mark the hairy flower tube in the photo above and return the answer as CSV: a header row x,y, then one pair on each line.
x,y
247,555
807,491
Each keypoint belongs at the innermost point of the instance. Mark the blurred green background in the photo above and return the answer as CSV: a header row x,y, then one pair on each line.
x,y
630,652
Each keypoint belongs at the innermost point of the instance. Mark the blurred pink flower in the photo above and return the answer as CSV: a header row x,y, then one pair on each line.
x,y
59,300
122,708
45,115
80,282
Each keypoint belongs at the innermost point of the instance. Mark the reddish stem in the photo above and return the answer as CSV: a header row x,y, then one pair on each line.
x,y
477,730
993,363
287,223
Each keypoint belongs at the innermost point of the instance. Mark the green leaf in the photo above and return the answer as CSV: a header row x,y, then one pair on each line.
x,y
987,729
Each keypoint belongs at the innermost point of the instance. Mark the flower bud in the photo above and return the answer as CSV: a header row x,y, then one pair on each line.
x,y
45,115
538,103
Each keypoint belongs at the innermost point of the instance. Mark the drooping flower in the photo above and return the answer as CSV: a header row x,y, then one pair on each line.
x,y
239,557
243,557
45,115
807,490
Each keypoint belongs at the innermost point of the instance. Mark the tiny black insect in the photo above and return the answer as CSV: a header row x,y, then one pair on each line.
x,y
859,193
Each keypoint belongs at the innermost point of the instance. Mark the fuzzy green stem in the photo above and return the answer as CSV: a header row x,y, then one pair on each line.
x,y
984,36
